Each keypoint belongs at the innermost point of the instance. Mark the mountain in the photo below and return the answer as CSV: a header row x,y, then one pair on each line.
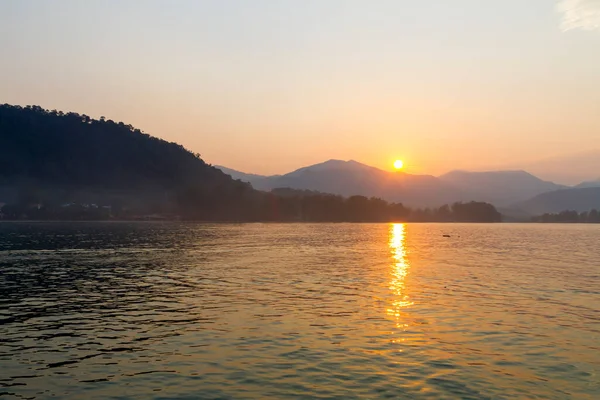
x,y
53,157
347,178
583,199
570,169
501,188
589,184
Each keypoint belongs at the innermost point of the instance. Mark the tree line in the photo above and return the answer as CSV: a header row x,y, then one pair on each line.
x,y
270,207
290,205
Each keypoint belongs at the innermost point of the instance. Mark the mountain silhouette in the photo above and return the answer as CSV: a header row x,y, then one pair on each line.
x,y
582,199
502,188
589,184
568,169
346,178
351,177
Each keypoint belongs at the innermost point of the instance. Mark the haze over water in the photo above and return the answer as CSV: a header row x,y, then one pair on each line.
x,y
169,310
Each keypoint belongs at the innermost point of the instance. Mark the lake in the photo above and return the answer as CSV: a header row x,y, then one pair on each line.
x,y
329,311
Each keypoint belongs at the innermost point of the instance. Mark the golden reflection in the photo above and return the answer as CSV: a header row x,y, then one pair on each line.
x,y
399,271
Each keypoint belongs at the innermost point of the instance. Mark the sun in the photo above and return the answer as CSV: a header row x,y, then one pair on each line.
x,y
398,164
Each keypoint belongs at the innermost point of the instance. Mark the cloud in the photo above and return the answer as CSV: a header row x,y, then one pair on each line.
x,y
579,14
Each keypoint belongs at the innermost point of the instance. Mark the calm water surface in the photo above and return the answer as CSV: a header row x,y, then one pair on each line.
x,y
193,311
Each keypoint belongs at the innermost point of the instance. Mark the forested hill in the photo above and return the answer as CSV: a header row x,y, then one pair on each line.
x,y
73,149
43,151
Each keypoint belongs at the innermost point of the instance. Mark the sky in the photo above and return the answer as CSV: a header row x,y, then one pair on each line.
x,y
268,86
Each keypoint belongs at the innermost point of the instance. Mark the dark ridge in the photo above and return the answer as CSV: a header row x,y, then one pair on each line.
x,y
55,157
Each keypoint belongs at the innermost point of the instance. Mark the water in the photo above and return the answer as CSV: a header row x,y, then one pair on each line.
x,y
190,311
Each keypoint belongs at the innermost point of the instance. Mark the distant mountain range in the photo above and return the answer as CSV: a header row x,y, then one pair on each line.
x,y
514,191
501,188
569,169
580,199
589,184
349,178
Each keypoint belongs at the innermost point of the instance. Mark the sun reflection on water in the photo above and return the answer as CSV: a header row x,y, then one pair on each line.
x,y
399,271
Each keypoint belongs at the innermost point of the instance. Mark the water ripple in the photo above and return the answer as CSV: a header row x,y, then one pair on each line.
x,y
170,310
